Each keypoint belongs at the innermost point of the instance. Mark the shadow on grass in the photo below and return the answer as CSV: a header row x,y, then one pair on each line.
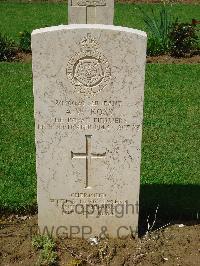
x,y
171,204
174,203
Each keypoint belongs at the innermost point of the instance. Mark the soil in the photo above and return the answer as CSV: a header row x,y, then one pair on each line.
x,y
176,244
23,57
162,59
167,59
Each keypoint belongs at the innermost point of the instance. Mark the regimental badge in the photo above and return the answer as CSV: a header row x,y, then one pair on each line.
x,y
88,70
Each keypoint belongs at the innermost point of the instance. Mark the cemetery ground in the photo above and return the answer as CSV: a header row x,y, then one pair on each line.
x,y
39,15
170,179
170,174
174,245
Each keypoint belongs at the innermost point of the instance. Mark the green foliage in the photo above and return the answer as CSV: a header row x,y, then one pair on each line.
x,y
158,28
7,48
46,242
38,241
155,47
47,256
184,39
25,41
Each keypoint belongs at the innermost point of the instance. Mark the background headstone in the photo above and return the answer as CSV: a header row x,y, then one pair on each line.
x,y
90,11
88,89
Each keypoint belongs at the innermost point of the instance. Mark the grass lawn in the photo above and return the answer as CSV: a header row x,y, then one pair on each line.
x,y
15,17
17,174
170,155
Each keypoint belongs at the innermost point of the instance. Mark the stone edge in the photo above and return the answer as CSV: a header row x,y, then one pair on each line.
x,y
88,26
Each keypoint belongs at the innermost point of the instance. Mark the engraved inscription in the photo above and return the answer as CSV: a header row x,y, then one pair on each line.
x,y
94,206
103,115
88,70
88,3
88,155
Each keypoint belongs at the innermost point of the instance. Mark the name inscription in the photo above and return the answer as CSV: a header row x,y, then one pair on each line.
x,y
101,115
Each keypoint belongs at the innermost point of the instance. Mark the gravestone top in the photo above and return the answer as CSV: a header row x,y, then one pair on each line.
x,y
60,28
90,11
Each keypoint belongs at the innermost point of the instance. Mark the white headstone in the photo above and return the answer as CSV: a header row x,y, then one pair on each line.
x,y
90,11
88,89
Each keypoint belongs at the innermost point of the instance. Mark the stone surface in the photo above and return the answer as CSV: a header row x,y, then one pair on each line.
x,y
90,12
88,97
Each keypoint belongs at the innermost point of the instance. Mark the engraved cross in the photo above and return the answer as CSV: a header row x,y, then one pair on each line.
x,y
88,155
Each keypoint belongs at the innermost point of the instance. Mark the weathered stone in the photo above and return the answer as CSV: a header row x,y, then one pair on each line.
x,y
90,12
88,88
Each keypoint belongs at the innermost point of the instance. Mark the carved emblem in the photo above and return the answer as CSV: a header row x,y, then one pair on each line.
x,y
88,70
